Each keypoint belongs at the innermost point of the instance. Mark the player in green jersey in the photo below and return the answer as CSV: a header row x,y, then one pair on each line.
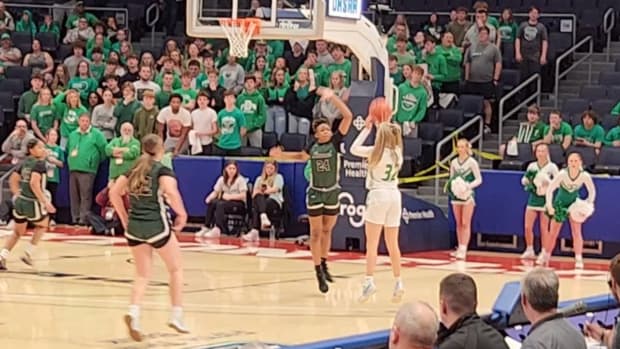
x,y
30,202
152,188
324,188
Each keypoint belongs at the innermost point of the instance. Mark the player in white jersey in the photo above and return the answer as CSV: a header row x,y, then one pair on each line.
x,y
536,180
464,178
383,201
568,183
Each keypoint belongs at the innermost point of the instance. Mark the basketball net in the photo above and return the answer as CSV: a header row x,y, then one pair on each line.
x,y
239,32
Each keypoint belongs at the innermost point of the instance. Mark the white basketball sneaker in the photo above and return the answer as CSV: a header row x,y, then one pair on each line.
x,y
368,289
399,291
178,325
252,235
528,254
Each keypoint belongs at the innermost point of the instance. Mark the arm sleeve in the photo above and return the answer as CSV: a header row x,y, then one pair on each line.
x,y
357,148
40,167
165,171
219,185
552,187
591,188
477,175
110,146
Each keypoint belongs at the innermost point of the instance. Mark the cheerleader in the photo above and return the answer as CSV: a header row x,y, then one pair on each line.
x,y
536,180
567,204
383,201
464,178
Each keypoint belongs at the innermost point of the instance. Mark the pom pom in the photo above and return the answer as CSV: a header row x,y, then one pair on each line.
x,y
580,210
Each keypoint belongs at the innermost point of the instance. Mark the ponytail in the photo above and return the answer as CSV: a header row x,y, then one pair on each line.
x,y
138,180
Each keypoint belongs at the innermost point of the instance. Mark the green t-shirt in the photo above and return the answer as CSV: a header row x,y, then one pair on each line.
x,y
84,86
162,99
529,133
612,136
559,134
176,82
69,121
53,173
44,115
508,31
230,123
593,135
97,70
188,95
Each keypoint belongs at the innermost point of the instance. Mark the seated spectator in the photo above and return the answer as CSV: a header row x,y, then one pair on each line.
x,y
589,133
43,116
459,27
83,82
612,138
340,63
40,61
461,327
145,117
123,152
26,23
433,28
396,73
454,62
16,143
54,161
558,131
177,122
103,116
29,98
415,327
228,197
299,102
412,102
72,61
252,105
9,54
78,13
7,24
483,69
267,198
80,33
187,92
61,79
215,91
609,338
328,110
145,83
69,108
204,127
126,108
402,55
49,26
532,131
539,300
85,149
232,75
231,126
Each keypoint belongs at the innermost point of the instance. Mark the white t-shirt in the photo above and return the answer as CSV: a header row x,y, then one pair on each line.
x,y
384,175
142,86
174,122
203,121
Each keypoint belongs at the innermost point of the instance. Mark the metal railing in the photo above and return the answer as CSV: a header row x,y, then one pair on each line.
x,y
439,161
4,177
502,102
152,22
608,27
558,61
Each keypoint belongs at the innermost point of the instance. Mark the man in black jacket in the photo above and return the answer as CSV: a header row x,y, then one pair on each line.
x,y
461,327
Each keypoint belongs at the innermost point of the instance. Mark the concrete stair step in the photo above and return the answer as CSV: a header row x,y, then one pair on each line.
x,y
599,57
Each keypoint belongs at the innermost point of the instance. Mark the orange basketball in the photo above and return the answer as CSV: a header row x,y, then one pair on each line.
x,y
379,110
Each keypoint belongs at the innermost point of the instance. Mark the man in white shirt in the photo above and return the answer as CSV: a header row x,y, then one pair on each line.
x,y
177,122
204,126
145,82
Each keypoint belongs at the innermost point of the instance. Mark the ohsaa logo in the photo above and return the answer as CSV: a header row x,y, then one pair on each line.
x,y
350,209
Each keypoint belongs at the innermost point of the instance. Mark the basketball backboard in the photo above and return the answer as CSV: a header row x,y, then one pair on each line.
x,y
281,19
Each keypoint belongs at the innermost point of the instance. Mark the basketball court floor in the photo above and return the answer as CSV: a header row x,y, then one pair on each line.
x,y
234,292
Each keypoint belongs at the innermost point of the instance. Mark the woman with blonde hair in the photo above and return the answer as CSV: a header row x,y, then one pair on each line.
x,y
152,189
383,202
266,197
537,178
464,178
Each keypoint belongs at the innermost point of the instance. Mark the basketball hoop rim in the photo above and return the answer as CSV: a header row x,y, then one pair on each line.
x,y
242,23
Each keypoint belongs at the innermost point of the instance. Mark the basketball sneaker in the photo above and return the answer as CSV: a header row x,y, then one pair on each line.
x,y
528,254
368,289
461,254
264,221
178,325
320,278
399,291
200,233
213,233
27,258
2,264
579,263
252,235
133,326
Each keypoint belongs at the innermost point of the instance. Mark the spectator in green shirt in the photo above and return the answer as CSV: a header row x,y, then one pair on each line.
x,y
28,98
589,134
126,108
400,29
186,91
612,138
231,123
78,12
402,55
123,152
396,72
616,109
454,63
163,97
558,131
340,63
532,131
412,102
507,27
54,161
49,26
26,24
43,115
83,82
